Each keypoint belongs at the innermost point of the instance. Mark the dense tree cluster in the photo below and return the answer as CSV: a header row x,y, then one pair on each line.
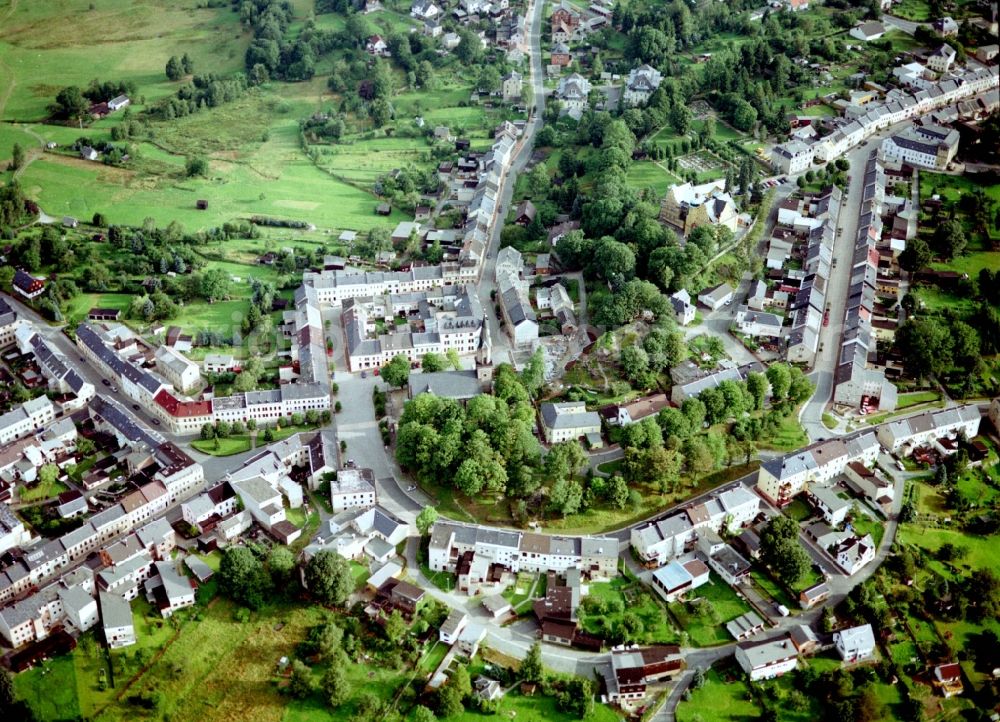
x,y
251,574
487,446
781,550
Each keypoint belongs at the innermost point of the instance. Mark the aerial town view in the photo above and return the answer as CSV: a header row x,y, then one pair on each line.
x,y
526,360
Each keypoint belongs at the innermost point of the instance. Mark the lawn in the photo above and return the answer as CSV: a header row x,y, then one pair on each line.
x,y
976,552
917,397
238,443
515,706
650,174
789,435
611,467
770,588
42,490
724,697
522,592
444,581
50,689
798,510
706,625
866,525
222,669
635,598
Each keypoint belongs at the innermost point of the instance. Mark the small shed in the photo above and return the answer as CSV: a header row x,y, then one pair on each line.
x,y
383,209
70,222
201,204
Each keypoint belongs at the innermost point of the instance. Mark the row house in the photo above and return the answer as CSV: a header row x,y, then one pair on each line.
x,y
905,435
9,323
61,375
664,539
900,105
781,478
26,419
517,551
68,603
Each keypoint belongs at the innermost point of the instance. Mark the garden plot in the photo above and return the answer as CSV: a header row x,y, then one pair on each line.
x,y
702,161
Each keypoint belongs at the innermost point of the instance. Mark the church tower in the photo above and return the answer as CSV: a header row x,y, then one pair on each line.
x,y
484,356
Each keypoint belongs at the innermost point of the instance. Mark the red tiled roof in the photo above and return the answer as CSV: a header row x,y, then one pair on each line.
x,y
175,407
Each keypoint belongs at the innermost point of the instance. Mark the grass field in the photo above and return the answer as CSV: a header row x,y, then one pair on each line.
x,y
917,397
239,443
50,45
42,490
708,628
252,144
657,628
789,436
721,699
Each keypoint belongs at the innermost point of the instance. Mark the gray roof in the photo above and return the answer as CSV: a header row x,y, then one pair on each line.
x,y
446,384
115,611
378,547
563,416
200,569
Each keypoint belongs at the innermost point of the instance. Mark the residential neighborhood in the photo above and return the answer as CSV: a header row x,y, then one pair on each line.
x,y
532,359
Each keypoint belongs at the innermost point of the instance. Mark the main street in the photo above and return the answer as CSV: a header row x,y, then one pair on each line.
x,y
522,155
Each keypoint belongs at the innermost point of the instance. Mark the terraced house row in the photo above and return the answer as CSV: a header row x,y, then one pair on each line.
x,y
517,551
187,416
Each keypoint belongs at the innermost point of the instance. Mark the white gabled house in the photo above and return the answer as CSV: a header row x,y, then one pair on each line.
x,y
856,644
768,659
854,553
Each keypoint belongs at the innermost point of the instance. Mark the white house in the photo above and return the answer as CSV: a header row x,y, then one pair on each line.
x,y
511,86
179,370
217,363
424,10
856,644
716,297
758,323
262,500
169,590
453,626
927,146
868,31
116,621
767,660
676,578
684,310
353,489
568,420
573,91
31,416
941,60
832,506
80,607
642,82
854,553
793,157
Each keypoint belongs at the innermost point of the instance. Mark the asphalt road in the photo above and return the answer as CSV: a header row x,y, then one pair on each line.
x,y
522,154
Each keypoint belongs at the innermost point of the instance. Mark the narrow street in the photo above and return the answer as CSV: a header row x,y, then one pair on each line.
x,y
522,155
